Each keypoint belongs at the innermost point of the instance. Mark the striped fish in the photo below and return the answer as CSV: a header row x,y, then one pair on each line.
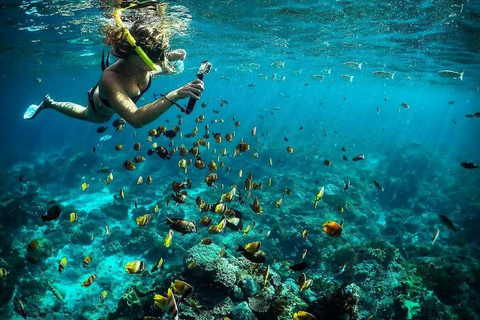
x,y
55,291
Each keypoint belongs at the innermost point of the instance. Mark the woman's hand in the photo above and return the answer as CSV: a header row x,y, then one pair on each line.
x,y
190,90
176,55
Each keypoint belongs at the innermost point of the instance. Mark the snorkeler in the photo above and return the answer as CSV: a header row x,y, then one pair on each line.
x,y
124,82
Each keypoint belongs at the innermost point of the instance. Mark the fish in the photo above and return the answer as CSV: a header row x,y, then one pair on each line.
x,y
304,253
87,261
22,309
206,221
85,186
158,265
253,247
168,239
378,185
305,234
469,165
289,149
359,157
170,134
215,229
103,295
119,147
136,266
137,146
107,230
254,131
89,281
447,222
346,185
3,273
405,105
182,226
451,74
32,246
102,129
384,74
265,278
279,202
129,165
52,214
192,264
341,268
139,159
327,162
161,151
303,315
167,304
149,180
144,220
353,65
298,266
340,208
347,77
73,217
332,228
222,252
62,264
435,236
320,194
183,288
55,291
105,137
206,241
258,257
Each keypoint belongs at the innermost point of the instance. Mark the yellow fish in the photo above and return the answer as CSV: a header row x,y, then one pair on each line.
x,y
266,275
302,315
107,230
136,266
155,209
85,186
279,203
73,217
62,264
247,230
89,281
158,265
320,194
144,220
168,239
103,295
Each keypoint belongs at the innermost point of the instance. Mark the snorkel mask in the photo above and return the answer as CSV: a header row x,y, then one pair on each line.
x,y
117,17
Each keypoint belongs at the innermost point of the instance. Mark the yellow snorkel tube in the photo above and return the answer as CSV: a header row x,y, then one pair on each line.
x,y
117,17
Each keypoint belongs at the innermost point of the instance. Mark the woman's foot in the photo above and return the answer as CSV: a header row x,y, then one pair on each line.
x,y
34,109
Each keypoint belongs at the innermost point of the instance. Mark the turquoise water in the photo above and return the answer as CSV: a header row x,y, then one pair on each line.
x,y
266,60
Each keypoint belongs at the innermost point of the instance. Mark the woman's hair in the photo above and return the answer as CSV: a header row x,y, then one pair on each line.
x,y
149,34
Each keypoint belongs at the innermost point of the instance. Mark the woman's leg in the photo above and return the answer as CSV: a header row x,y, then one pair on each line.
x,y
70,109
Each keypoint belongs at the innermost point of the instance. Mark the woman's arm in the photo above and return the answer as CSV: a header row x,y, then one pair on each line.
x,y
138,117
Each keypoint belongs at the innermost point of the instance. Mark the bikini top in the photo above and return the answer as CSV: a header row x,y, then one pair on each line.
x,y
107,104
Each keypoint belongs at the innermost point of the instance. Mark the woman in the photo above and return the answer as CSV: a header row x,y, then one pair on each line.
x,y
123,83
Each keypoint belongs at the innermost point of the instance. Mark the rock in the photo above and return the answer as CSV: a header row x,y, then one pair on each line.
x,y
242,312
249,287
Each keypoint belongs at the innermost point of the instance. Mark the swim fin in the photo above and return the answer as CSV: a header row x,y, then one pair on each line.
x,y
33,110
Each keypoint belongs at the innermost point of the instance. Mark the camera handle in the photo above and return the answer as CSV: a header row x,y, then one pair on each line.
x,y
192,101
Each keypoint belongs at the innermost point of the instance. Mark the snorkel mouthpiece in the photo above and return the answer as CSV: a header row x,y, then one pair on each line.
x,y
117,17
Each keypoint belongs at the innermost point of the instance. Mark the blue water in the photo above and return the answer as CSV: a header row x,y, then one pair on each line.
x,y
415,153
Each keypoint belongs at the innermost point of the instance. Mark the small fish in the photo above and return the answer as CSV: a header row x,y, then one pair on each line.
x,y
167,304
144,220
303,315
105,137
304,253
384,74
298,266
332,228
346,185
359,157
206,241
182,226
3,273
129,165
222,252
289,149
102,129
168,239
183,288
62,264
341,268
73,217
55,291
404,105
435,236
327,163
447,222
87,261
136,266
22,309
451,74
267,272
305,234
107,230
469,165
32,246
85,186
103,295
89,281
353,65
258,257
158,265
347,77
378,185
192,264
345,158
